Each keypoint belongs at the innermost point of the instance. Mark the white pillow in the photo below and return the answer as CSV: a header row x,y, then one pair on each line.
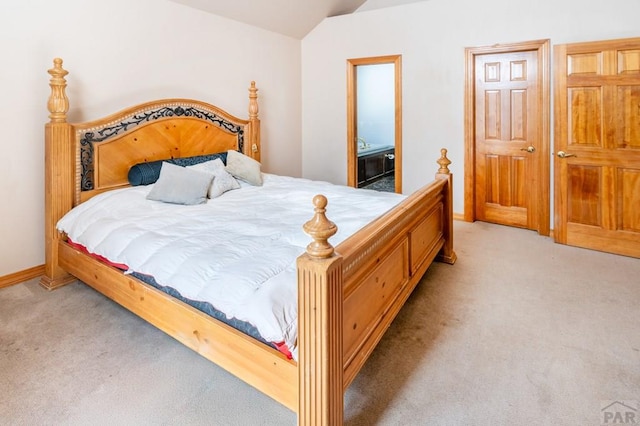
x,y
244,167
179,185
222,182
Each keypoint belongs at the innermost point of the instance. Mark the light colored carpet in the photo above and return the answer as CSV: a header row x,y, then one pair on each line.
x,y
520,331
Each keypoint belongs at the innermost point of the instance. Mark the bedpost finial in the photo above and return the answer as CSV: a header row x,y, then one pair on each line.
x,y
444,162
320,229
58,102
253,101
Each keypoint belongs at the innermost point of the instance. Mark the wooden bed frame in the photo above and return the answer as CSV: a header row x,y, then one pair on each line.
x,y
347,297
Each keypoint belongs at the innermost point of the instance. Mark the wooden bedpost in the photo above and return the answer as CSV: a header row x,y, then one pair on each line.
x,y
253,149
447,254
59,178
320,363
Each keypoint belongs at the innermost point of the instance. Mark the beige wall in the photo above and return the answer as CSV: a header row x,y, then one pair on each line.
x,y
120,53
431,36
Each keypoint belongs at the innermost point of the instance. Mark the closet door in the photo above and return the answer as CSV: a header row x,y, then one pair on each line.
x,y
507,138
597,145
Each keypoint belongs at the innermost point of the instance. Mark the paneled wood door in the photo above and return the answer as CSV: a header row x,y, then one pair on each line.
x,y
510,171
597,145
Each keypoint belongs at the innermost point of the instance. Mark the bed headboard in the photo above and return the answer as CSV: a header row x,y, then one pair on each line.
x,y
105,149
85,159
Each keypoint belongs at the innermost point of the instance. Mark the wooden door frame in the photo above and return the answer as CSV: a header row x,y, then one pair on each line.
x,y
352,154
542,47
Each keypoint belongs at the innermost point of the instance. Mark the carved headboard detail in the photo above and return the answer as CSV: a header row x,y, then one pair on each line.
x,y
105,149
176,129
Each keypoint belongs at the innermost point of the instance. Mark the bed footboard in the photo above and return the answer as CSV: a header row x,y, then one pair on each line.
x,y
348,297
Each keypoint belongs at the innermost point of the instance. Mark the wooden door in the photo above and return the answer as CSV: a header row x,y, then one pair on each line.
x,y
597,145
507,139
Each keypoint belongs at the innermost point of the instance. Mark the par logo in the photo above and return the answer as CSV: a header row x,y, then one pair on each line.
x,y
620,413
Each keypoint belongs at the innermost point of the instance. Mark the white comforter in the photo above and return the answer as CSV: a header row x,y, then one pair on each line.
x,y
237,251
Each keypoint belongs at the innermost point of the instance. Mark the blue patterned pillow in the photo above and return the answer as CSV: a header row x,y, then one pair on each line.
x,y
148,172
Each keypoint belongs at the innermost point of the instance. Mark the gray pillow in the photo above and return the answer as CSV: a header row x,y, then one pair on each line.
x,y
222,182
244,167
180,185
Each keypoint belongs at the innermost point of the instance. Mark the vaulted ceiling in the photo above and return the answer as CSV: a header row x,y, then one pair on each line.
x,y
293,18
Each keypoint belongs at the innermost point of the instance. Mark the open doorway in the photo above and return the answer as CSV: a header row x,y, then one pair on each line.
x,y
374,123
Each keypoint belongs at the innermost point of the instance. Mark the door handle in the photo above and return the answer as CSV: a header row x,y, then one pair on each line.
x,y
563,154
390,156
530,149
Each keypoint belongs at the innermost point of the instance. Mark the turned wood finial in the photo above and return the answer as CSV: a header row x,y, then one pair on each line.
x,y
444,162
253,101
320,229
58,102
